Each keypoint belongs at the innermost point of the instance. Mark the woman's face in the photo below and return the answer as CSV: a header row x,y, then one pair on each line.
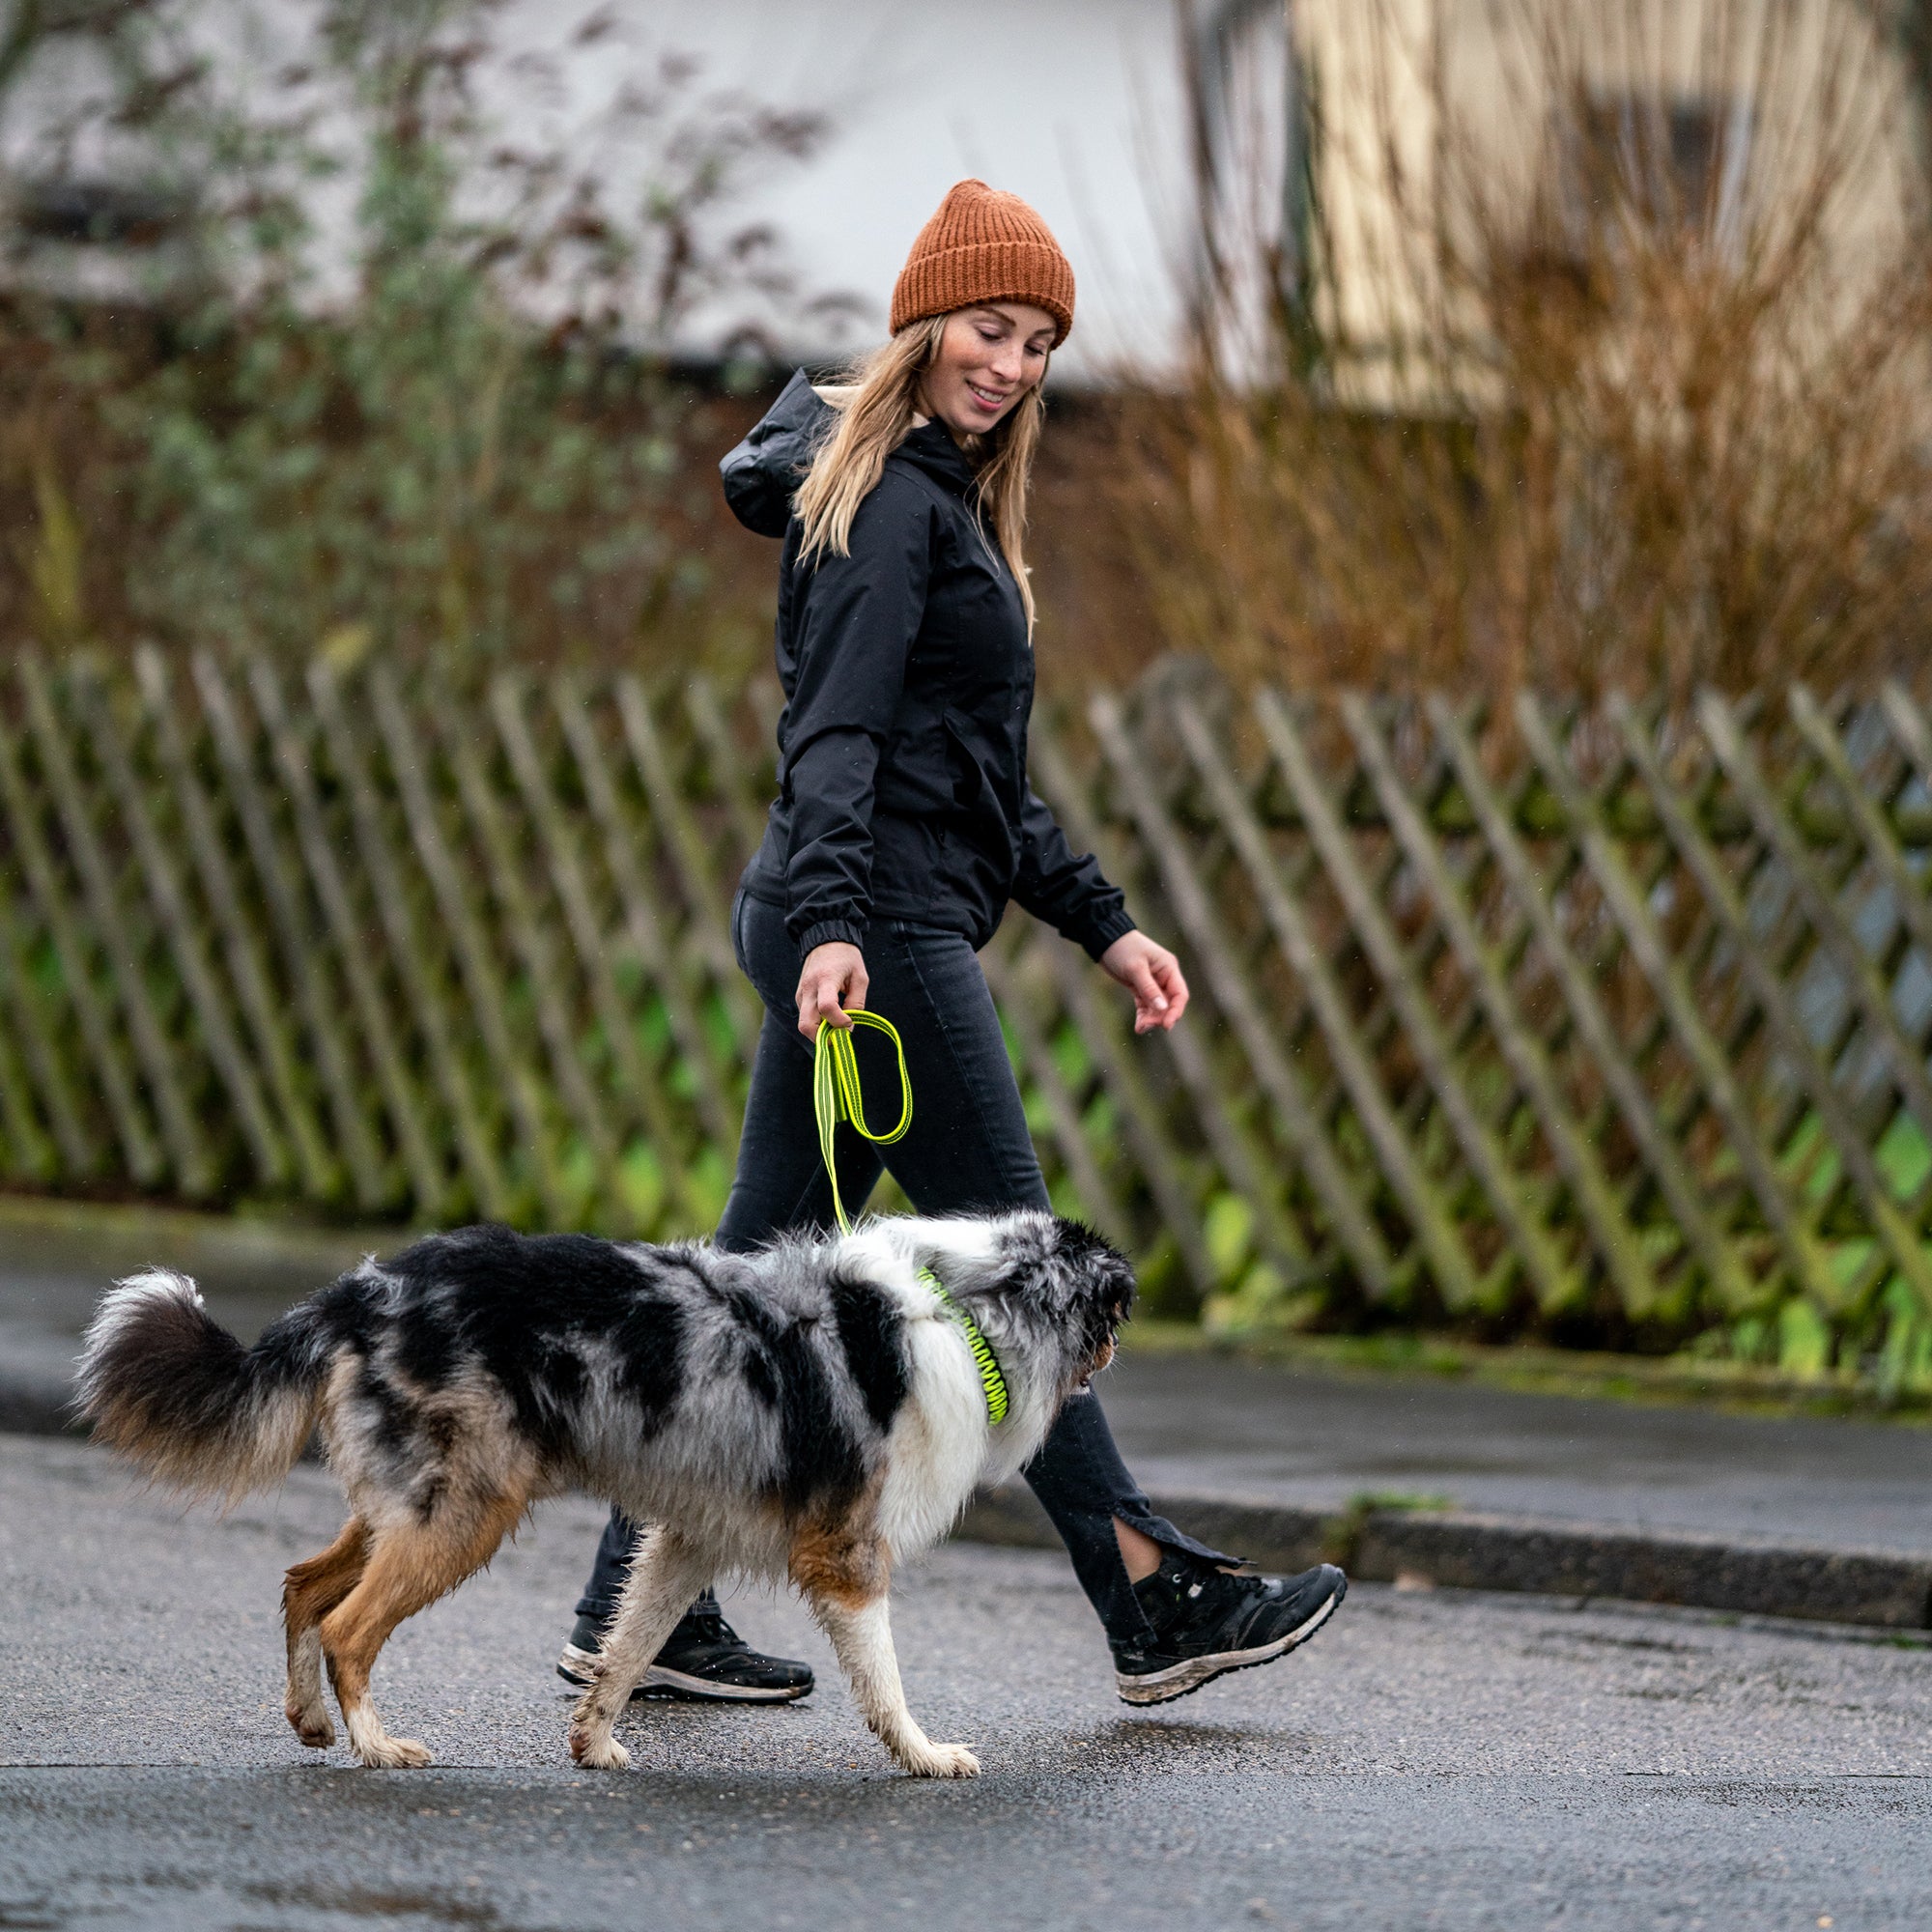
x,y
989,357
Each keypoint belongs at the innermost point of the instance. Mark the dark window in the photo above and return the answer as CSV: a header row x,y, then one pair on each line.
x,y
96,211
1666,164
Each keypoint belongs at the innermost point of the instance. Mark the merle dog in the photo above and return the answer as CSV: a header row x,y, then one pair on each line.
x,y
812,1411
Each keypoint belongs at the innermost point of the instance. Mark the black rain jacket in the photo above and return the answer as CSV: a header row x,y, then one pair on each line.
x,y
908,679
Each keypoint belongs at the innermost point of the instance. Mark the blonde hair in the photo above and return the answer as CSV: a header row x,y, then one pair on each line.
x,y
874,417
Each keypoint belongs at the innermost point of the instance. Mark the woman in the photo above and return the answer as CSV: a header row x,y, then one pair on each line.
x,y
902,827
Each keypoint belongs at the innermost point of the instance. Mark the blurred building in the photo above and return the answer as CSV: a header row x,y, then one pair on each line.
x,y
1468,153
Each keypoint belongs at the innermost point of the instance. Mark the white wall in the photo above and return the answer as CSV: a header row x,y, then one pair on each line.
x,y
1075,104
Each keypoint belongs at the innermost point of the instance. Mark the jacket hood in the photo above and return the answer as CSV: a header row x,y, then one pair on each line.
x,y
760,475
763,471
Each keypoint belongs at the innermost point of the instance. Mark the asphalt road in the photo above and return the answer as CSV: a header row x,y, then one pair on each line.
x,y
1432,1760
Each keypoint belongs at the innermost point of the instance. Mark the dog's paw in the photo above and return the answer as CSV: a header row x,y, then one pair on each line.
x,y
941,1761
314,1727
596,1749
394,1754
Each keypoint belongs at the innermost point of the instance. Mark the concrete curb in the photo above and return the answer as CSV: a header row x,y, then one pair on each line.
x,y
1423,1547
99,1240
1547,1557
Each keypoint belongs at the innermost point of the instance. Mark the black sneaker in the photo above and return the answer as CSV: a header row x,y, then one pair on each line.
x,y
703,1661
1207,1623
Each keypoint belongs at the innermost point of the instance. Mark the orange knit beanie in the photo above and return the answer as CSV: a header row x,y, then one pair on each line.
x,y
983,245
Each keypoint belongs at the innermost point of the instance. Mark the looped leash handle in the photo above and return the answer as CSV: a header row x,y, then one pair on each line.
x,y
836,1094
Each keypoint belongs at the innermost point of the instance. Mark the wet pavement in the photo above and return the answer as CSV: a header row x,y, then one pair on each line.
x,y
1432,1760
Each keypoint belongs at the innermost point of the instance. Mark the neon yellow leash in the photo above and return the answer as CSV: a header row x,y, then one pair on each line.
x,y
838,1096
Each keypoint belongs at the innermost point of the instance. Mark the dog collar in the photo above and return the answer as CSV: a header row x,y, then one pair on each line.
x,y
991,1380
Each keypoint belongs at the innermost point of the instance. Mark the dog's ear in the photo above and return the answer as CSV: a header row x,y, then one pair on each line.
x,y
1092,1257
1099,1280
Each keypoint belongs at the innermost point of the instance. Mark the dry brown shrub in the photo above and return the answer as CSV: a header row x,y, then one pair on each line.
x,y
1598,393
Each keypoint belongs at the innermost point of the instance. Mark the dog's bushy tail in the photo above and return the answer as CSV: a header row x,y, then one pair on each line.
x,y
171,1390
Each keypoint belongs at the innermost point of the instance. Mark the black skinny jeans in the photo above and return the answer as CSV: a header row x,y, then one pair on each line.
x,y
967,1149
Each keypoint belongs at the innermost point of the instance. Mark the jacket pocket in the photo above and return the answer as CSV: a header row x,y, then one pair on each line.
x,y
980,802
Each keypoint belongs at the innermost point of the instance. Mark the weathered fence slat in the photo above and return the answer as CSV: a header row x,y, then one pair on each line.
x,y
423,1171
1877,835
34,1021
1354,1231
146,1162
280,896
30,1155
1675,994
234,938
1907,1058
179,925
1350,1058
640,916
290,932
408,953
647,1095
1524,1053
706,711
1007,975
709,918
1549,1272
1663,1163
1143,1124
114,930
1897,1232
1874,827
475,958
1233,1149
530,939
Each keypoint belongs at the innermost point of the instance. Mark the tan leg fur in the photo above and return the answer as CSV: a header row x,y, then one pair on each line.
x,y
309,1592
408,1569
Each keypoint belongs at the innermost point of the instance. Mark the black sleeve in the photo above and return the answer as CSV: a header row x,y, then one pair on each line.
x,y
1069,892
858,616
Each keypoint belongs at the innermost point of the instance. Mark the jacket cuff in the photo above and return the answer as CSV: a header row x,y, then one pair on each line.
x,y
830,931
1102,933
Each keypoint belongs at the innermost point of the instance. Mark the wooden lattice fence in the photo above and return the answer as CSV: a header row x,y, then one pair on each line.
x,y
1614,1027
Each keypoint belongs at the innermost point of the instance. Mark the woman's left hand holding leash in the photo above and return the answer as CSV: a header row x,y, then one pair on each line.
x,y
1153,975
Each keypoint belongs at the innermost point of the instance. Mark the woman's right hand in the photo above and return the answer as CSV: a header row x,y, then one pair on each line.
x,y
832,979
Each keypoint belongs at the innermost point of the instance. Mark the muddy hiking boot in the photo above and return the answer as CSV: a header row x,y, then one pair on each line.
x,y
703,1661
1207,1623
